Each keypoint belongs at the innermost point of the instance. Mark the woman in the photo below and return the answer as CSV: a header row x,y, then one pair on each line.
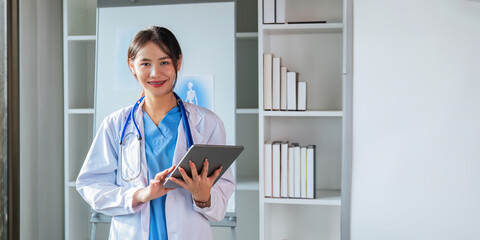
x,y
137,147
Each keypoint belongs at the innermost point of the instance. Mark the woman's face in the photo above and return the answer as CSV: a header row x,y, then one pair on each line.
x,y
154,70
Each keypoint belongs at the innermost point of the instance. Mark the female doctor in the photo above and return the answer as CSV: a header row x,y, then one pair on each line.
x,y
137,147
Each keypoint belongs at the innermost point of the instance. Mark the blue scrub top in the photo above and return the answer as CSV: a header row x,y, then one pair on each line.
x,y
160,143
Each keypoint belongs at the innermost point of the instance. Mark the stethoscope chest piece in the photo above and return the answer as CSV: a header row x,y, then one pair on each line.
x,y
130,149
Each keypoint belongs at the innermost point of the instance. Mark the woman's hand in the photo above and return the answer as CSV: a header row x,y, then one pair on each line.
x,y
198,185
155,189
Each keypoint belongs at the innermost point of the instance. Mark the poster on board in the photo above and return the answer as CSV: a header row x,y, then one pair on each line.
x,y
197,89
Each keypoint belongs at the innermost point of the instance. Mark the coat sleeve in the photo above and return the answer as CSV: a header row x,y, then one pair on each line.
x,y
96,181
223,188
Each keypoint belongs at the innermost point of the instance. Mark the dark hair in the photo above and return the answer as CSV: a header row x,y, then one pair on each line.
x,y
163,38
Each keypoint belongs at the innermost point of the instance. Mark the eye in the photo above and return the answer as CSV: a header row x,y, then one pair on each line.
x,y
145,64
164,63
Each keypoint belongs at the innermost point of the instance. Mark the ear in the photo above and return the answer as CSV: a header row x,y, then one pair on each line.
x,y
179,63
130,65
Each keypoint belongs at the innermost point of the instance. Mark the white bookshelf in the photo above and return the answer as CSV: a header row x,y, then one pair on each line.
x,y
247,111
303,28
247,204
247,35
315,52
81,111
323,197
82,38
79,41
302,113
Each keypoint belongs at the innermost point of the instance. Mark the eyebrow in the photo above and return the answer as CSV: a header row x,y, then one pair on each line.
x,y
162,58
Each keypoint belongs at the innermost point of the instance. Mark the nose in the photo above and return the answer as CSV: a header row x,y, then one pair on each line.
x,y
155,71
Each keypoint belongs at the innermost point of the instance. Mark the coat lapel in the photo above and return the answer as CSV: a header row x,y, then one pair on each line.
x,y
195,120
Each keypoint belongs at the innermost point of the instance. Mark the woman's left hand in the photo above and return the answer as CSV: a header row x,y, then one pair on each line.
x,y
198,185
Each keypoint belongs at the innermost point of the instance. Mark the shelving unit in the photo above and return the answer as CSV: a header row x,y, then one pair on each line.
x,y
316,53
303,28
303,113
79,41
246,135
247,120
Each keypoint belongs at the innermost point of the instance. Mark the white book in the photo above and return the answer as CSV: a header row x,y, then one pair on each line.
x,y
291,172
267,171
302,96
267,81
284,170
283,88
276,158
311,171
291,91
303,166
298,173
268,11
276,83
280,11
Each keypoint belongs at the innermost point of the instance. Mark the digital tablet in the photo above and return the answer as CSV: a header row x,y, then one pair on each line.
x,y
217,155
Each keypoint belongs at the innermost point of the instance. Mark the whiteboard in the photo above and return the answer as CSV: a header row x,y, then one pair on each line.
x,y
206,33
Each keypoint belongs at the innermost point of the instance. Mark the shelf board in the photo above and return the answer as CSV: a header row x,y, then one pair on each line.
x,y
303,28
247,35
82,38
324,197
247,111
332,113
81,111
247,183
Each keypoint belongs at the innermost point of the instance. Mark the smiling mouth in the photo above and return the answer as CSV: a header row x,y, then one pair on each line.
x,y
157,83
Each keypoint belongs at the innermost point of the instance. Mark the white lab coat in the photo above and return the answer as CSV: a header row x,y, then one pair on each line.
x,y
106,192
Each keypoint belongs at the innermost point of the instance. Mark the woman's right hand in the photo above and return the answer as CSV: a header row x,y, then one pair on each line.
x,y
155,189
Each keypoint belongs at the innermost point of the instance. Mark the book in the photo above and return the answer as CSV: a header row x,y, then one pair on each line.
x,y
291,171
298,173
303,166
283,88
267,81
302,96
311,171
276,83
291,91
267,171
280,11
268,11
276,158
284,170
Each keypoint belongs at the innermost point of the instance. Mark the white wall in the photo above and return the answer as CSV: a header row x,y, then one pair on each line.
x,y
416,120
41,120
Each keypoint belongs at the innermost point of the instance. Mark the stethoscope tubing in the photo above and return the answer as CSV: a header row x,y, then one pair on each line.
x,y
130,115
186,126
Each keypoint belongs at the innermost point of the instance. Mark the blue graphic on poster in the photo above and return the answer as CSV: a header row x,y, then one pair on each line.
x,y
196,89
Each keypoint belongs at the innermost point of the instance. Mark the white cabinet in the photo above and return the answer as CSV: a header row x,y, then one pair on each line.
x,y
315,52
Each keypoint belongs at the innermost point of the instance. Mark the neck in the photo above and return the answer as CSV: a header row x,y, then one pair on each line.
x,y
158,106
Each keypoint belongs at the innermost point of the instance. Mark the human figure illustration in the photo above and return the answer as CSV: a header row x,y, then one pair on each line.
x,y
191,95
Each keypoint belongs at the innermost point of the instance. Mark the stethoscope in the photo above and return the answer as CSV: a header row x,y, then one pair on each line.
x,y
124,142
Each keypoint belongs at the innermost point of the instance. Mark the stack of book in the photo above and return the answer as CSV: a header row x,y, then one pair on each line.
x,y
289,170
280,88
